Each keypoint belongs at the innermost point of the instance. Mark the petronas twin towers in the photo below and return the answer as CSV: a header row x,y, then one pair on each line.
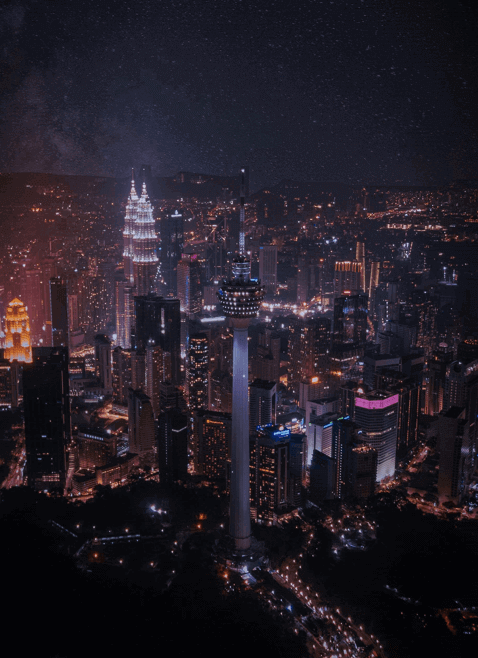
x,y
139,239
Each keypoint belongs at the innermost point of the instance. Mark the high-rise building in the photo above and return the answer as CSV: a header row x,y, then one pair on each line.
x,y
212,444
172,245
7,384
347,278
154,375
48,271
309,345
158,323
31,296
240,298
268,268
103,369
360,258
270,472
376,414
122,377
189,284
128,232
145,260
372,285
262,403
47,417
140,423
17,333
124,305
59,312
173,445
197,373
455,450
302,279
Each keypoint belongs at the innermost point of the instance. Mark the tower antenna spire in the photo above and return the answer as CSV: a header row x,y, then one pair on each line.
x,y
242,213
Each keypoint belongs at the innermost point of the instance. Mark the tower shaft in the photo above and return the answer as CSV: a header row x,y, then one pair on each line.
x,y
240,509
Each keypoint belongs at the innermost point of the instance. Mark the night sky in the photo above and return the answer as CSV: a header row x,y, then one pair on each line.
x,y
370,91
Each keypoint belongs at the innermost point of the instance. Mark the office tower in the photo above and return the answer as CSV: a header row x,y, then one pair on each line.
x,y
154,375
262,403
321,406
158,323
360,258
122,378
376,414
128,232
344,436
374,364
321,477
145,260
455,450
269,465
59,312
320,435
309,345
467,350
372,285
408,390
268,268
140,423
348,340
31,290
124,306
172,245
197,373
48,271
240,298
363,470
435,378
96,447
47,417
170,397
173,445
350,320
302,279
265,362
189,284
17,333
103,370
8,396
347,277
211,448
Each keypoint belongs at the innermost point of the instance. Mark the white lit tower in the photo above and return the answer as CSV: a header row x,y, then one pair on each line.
x,y
240,298
145,260
128,232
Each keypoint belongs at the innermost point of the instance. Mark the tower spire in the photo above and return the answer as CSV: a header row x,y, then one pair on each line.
x,y
242,240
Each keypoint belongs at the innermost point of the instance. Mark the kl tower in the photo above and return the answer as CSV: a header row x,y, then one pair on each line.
x,y
240,298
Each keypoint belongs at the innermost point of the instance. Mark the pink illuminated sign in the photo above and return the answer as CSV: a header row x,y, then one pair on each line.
x,y
376,404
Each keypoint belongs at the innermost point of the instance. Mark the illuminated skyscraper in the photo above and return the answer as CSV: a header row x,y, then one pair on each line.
x,y
172,244
128,232
145,260
376,414
198,372
17,333
360,257
347,278
240,298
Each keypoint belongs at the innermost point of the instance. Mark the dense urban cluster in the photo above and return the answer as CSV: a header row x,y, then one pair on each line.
x,y
352,315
